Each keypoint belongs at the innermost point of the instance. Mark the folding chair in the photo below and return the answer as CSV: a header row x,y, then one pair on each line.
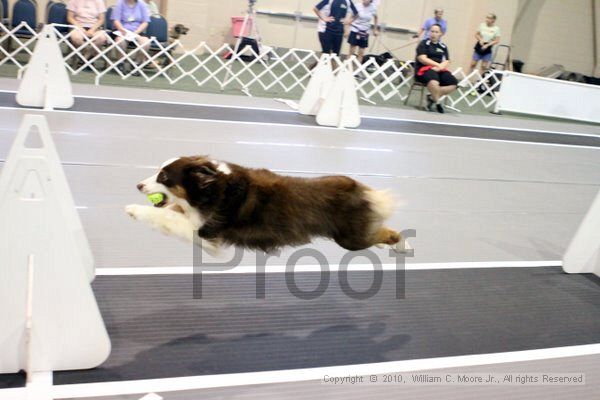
x,y
4,12
57,14
24,11
416,85
158,32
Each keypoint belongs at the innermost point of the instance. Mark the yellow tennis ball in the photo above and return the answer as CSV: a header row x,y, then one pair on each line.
x,y
156,198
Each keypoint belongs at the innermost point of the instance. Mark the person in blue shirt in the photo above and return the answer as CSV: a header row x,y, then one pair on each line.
x,y
335,21
438,13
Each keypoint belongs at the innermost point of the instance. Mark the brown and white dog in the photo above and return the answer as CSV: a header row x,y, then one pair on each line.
x,y
216,203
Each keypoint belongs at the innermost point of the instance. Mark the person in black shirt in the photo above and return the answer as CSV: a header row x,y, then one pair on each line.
x,y
337,18
431,68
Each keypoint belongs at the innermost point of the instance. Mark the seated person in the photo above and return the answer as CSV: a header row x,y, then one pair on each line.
x,y
88,17
431,68
130,18
152,8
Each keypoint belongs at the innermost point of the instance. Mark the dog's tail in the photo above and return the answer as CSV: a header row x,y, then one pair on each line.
x,y
382,203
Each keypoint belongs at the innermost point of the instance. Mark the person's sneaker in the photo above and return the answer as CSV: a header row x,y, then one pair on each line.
x,y
440,108
430,103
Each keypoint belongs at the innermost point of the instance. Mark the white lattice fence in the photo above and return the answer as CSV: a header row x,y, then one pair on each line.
x,y
272,70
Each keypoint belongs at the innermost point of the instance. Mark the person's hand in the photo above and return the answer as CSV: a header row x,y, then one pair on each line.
x,y
91,32
444,64
485,46
481,42
328,19
436,69
375,31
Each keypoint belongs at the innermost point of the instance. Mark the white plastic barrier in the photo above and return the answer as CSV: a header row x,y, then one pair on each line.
x,y
332,98
583,254
46,82
318,87
528,94
49,316
340,108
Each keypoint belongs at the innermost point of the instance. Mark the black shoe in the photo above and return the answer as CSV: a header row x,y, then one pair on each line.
x,y
440,108
430,103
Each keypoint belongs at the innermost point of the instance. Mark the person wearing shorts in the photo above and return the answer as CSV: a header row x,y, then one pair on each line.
x,y
431,68
87,16
131,17
488,35
359,30
335,21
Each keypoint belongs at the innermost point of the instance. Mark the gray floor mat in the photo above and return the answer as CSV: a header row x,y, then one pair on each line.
x,y
158,330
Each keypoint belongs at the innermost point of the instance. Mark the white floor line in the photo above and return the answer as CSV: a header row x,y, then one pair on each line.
x,y
324,128
182,103
508,128
311,374
40,387
251,269
365,115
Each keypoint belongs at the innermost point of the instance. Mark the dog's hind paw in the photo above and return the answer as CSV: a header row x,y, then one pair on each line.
x,y
402,247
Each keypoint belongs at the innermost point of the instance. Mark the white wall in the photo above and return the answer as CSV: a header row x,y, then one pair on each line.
x,y
555,32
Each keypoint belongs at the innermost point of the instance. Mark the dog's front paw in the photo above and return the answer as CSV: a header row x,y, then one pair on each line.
x,y
136,211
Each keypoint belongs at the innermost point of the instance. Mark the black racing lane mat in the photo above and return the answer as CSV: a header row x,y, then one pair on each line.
x,y
174,110
159,330
8,381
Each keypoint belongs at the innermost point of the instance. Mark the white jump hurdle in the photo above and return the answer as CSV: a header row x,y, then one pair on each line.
x,y
583,254
50,319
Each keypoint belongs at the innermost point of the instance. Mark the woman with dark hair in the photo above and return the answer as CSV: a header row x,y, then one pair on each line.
x,y
335,20
488,35
431,68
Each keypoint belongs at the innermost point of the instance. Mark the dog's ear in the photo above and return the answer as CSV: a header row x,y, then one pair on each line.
x,y
203,175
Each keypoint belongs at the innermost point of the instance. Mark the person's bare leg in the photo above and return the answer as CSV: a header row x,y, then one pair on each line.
x,y
444,90
472,66
361,54
122,44
434,90
144,44
484,67
99,39
77,40
352,51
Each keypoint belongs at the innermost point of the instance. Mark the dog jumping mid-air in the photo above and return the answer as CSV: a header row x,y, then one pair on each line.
x,y
214,203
